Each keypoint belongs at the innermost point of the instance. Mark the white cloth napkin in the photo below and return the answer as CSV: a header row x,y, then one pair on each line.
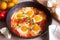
x,y
5,32
54,32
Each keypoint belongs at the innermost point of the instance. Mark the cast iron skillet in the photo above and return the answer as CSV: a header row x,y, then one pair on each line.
x,y
28,4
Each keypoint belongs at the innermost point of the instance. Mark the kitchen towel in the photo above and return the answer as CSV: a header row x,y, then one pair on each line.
x,y
54,32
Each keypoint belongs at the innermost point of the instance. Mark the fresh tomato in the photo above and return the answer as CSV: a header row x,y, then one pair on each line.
x,y
2,14
7,0
15,31
10,5
14,1
3,5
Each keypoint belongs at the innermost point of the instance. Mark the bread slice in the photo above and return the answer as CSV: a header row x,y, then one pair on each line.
x,y
56,12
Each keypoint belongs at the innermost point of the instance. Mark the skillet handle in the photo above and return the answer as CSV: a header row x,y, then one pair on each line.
x,y
35,1
43,2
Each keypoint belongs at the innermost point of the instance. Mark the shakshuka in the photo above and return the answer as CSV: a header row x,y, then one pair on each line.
x,y
28,22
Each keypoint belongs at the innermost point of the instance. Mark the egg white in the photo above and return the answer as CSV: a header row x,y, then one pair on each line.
x,y
14,15
35,20
28,9
21,32
36,32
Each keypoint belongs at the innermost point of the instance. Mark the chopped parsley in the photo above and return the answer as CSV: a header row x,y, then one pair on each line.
x,y
28,18
19,19
17,26
23,13
37,11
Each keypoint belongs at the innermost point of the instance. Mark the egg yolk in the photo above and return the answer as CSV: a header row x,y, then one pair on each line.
x,y
24,28
36,28
30,13
37,18
20,15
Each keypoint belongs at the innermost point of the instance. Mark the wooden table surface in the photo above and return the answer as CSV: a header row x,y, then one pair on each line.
x,y
45,37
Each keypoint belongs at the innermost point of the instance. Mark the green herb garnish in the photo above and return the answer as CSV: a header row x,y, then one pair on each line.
x,y
32,20
28,18
19,19
23,13
15,26
37,11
